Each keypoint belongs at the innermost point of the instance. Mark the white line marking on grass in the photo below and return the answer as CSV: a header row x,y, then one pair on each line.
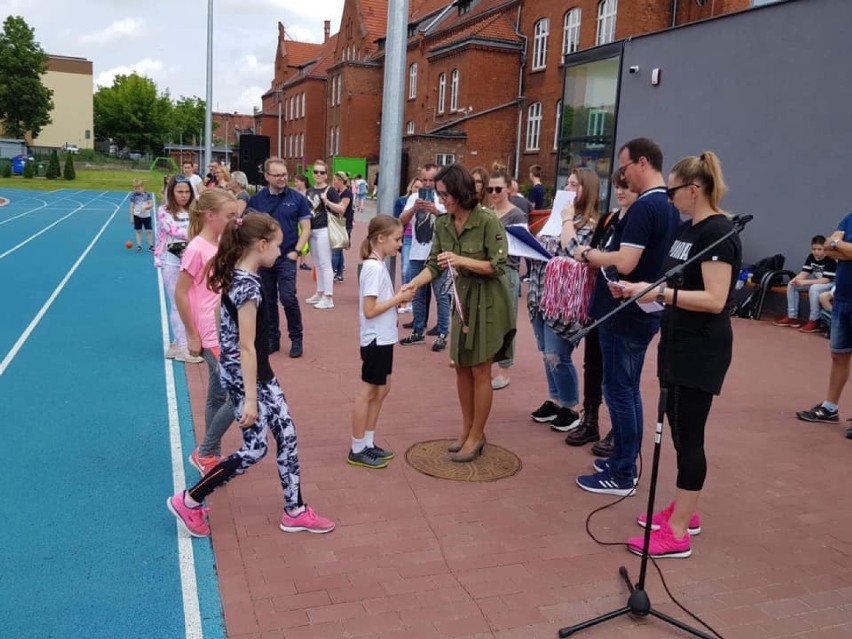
x,y
186,556
13,352
50,226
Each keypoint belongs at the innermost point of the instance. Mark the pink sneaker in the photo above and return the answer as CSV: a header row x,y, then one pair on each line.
x,y
693,528
663,544
203,464
308,521
193,520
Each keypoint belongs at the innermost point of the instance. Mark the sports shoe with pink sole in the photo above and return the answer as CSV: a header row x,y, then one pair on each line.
x,y
308,521
663,544
203,464
693,528
192,520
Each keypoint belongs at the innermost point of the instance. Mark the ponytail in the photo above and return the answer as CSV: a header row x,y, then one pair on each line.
x,y
705,171
380,226
239,235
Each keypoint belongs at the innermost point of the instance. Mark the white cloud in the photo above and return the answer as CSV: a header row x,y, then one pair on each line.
x,y
118,30
154,69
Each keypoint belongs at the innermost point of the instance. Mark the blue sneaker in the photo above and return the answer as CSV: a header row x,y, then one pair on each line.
x,y
605,484
602,466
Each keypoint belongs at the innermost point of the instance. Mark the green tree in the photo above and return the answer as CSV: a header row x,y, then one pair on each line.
x,y
25,103
133,113
68,172
29,170
53,168
187,119
6,171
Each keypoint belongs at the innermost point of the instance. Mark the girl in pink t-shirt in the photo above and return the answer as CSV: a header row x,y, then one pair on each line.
x,y
197,306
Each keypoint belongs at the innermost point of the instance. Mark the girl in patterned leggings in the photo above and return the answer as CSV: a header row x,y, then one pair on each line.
x,y
260,407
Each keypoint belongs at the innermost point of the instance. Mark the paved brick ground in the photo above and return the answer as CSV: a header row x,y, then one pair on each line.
x,y
418,557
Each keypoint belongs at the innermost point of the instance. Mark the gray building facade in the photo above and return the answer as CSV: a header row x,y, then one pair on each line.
x,y
768,90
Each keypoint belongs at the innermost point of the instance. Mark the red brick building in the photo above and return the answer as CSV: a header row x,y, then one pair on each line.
x,y
484,78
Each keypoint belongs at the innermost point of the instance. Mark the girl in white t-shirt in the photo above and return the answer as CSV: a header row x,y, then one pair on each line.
x,y
377,313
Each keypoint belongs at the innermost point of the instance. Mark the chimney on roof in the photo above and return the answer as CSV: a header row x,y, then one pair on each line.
x,y
326,28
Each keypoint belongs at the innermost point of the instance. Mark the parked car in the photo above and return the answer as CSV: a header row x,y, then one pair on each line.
x,y
72,148
134,155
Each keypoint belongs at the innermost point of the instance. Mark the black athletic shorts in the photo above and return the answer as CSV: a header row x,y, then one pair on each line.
x,y
376,363
140,223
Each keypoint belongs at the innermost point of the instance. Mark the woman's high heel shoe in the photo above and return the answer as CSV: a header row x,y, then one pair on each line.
x,y
469,457
454,447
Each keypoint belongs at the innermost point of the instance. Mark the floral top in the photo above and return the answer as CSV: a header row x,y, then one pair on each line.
x,y
169,231
538,268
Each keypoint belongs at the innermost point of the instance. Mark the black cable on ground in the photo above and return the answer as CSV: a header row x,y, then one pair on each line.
x,y
653,561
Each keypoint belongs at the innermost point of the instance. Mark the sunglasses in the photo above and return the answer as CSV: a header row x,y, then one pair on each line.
x,y
670,192
319,172
495,189
182,180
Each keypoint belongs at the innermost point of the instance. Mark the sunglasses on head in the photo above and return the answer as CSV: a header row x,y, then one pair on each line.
x,y
495,189
182,180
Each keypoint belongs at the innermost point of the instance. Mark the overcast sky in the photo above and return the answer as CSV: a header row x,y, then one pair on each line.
x,y
166,40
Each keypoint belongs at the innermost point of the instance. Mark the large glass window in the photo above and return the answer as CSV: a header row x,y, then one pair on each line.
x,y
587,129
412,81
442,91
607,10
542,29
454,90
571,32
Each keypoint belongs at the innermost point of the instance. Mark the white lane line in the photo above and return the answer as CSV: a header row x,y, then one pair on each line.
x,y
38,208
50,226
186,556
10,356
43,204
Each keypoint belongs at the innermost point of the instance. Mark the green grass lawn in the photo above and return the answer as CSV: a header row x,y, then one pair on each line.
x,y
95,179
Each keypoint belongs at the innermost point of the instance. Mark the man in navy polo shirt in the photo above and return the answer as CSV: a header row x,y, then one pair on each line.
x,y
636,246
291,210
837,247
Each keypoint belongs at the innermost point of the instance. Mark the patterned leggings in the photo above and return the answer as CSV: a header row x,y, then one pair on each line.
x,y
273,415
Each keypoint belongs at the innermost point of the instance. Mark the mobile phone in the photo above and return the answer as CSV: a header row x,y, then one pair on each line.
x,y
426,194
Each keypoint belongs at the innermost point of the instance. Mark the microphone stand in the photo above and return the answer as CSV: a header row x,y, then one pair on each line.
x,y
638,602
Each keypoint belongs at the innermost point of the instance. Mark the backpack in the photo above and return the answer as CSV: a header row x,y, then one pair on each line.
x,y
767,265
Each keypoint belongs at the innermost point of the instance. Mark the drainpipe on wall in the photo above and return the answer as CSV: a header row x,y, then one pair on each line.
x,y
674,13
520,95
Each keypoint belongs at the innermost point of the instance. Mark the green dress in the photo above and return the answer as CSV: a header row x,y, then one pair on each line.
x,y
484,298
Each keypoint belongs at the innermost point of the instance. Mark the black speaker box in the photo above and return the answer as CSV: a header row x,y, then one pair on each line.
x,y
254,149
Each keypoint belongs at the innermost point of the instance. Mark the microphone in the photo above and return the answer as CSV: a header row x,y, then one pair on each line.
x,y
742,219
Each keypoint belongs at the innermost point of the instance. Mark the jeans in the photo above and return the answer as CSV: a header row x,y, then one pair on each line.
x,y
513,279
170,273
218,410
404,253
279,283
841,327
623,355
813,299
423,297
337,262
562,380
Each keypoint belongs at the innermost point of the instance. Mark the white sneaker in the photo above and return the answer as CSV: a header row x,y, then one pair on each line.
x,y
314,299
405,308
174,349
325,302
184,356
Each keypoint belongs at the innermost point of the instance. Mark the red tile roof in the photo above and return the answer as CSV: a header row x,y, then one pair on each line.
x,y
497,27
374,14
298,53
419,9
324,60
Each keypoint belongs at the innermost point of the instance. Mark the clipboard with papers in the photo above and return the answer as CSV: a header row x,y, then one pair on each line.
x,y
522,243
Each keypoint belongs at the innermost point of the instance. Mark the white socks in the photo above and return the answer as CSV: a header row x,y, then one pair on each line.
x,y
358,445
368,438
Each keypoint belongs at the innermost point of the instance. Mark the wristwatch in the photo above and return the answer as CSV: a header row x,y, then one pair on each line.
x,y
585,255
833,245
661,294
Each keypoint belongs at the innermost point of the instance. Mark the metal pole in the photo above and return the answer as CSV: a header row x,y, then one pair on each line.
x,y
390,146
208,114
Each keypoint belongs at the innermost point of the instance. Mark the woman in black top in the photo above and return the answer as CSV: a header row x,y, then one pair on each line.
x,y
344,209
695,340
319,196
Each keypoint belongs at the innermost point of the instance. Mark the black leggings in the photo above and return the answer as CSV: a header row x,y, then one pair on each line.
x,y
687,410
592,371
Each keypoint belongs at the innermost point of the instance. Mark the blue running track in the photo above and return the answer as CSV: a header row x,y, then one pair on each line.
x,y
91,445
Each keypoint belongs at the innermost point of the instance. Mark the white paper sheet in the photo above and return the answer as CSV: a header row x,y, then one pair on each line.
x,y
553,227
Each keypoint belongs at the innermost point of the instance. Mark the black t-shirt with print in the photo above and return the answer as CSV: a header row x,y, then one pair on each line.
x,y
698,344
319,213
826,267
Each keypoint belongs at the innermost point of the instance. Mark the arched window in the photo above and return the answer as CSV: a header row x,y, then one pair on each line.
x,y
540,33
571,32
533,126
607,10
454,90
442,91
412,81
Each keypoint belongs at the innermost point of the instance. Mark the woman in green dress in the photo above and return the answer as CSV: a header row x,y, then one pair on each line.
x,y
471,241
